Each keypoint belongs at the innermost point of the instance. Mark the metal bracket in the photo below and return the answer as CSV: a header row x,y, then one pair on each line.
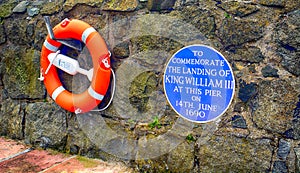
x,y
72,43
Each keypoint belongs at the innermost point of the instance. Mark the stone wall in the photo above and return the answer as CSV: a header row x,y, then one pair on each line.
x,y
260,132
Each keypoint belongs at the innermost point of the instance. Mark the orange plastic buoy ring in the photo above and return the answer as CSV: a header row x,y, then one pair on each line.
x,y
89,99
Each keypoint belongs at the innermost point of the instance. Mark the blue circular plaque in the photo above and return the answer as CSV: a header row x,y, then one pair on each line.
x,y
199,83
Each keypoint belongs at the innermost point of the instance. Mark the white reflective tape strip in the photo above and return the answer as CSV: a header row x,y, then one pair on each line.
x,y
86,34
57,91
50,46
94,94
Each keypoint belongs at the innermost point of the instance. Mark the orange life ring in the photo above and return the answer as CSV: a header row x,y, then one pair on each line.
x,y
91,97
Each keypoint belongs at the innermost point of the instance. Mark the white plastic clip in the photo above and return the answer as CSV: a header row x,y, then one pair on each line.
x,y
105,62
78,111
41,78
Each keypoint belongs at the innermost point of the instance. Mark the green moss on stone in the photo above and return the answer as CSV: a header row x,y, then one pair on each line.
x,y
240,9
190,138
69,4
120,5
86,162
151,42
155,123
141,88
51,8
6,9
21,73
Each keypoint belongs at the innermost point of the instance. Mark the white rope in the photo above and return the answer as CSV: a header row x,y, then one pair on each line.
x,y
113,86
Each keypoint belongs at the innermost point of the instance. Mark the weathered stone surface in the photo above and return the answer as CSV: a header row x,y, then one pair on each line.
x,y
291,5
276,103
200,18
237,8
238,107
269,71
69,4
77,141
33,11
16,31
120,5
182,158
21,7
154,5
121,50
280,167
165,150
181,3
162,142
148,43
141,88
154,165
283,149
6,8
237,32
96,18
294,132
51,7
231,154
21,73
120,27
110,138
157,5
167,4
238,122
247,91
247,54
297,110
287,36
2,34
167,28
30,28
46,125
11,119
278,3
140,96
297,164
